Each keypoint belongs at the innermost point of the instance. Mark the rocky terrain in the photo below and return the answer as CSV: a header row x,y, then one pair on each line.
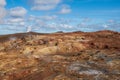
x,y
60,56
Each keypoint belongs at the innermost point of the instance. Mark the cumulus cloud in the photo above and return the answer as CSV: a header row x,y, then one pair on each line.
x,y
43,18
15,20
41,21
42,7
66,26
106,25
16,16
45,4
65,9
57,26
48,17
2,10
2,2
48,23
18,12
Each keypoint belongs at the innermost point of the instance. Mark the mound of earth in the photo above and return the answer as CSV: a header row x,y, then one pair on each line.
x,y
60,56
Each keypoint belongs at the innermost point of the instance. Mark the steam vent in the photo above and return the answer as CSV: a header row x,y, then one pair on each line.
x,y
60,56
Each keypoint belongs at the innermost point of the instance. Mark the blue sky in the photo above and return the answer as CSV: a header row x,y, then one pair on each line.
x,y
59,15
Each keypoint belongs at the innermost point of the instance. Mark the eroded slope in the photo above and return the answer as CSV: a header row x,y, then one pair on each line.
x,y
60,56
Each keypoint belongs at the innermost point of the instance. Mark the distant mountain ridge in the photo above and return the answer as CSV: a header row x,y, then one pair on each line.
x,y
20,35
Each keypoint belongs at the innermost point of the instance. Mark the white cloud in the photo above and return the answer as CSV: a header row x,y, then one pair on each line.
x,y
59,26
48,22
16,16
46,1
65,9
45,4
42,18
52,17
18,12
15,20
105,26
66,26
31,18
41,21
2,2
2,10
22,23
42,7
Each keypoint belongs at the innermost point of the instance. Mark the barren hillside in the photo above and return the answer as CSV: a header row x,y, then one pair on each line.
x,y
60,56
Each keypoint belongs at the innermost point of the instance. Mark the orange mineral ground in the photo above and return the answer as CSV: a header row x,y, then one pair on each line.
x,y
60,56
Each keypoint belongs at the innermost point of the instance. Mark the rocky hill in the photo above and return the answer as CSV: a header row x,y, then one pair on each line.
x,y
60,56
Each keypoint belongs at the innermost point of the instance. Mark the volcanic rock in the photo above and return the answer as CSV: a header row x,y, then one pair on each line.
x,y
60,56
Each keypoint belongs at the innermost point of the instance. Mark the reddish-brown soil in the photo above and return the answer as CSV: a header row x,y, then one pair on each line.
x,y
60,56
